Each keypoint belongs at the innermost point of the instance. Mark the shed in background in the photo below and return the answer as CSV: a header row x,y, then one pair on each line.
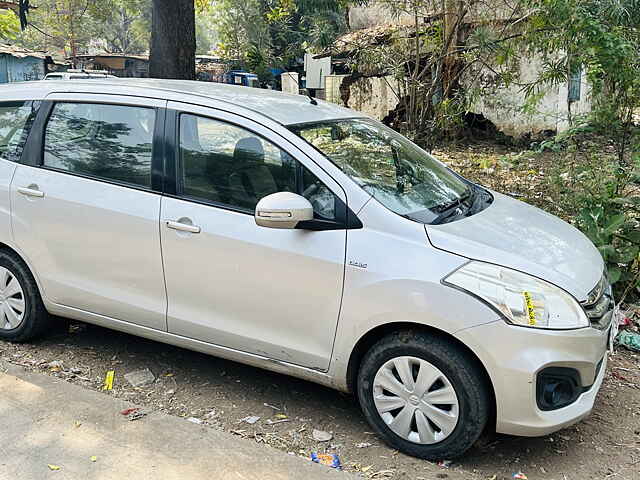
x,y
21,65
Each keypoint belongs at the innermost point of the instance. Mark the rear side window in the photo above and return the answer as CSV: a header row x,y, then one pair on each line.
x,y
16,119
109,142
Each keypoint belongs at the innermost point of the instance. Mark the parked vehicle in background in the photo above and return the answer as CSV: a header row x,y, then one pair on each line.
x,y
78,75
239,77
304,238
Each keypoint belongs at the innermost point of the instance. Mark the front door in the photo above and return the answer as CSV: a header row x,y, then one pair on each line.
x,y
274,293
84,210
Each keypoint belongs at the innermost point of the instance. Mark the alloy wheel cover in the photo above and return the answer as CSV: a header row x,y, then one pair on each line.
x,y
12,301
416,400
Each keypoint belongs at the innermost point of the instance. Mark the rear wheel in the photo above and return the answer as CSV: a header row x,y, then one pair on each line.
x,y
22,313
423,394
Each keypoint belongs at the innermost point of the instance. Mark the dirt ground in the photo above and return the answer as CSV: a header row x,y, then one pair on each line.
x,y
222,393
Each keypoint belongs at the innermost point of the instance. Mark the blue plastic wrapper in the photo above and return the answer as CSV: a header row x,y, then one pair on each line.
x,y
328,459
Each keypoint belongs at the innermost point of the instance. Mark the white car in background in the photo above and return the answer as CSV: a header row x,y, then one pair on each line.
x,y
78,75
304,238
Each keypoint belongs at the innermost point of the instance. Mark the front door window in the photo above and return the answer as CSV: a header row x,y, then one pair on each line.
x,y
231,166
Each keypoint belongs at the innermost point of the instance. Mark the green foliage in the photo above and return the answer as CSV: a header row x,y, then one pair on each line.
x,y
125,27
614,233
265,34
206,32
67,25
602,36
568,139
9,25
604,204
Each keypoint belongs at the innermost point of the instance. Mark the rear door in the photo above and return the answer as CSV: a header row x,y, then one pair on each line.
x,y
86,204
273,293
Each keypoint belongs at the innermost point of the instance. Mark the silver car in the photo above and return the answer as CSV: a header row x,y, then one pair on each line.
x,y
304,238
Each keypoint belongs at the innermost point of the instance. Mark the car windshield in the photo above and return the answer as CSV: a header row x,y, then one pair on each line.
x,y
388,166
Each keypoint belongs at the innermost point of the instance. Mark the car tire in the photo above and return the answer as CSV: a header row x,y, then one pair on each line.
x,y
437,367
34,319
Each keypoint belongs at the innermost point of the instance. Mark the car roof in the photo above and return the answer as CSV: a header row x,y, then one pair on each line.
x,y
284,108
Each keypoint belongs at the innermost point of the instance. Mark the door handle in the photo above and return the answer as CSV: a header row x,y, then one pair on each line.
x,y
30,192
183,227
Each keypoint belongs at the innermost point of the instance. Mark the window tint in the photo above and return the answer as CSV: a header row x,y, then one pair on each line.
x,y
111,142
16,119
226,164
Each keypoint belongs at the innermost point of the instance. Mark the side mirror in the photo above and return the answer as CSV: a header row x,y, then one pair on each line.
x,y
283,210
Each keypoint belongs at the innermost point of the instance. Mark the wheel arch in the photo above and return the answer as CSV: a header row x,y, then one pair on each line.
x,y
9,248
372,336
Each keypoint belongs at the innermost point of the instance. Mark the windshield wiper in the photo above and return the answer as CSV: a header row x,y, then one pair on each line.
x,y
449,209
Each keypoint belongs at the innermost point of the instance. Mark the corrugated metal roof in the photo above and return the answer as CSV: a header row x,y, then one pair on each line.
x,y
20,52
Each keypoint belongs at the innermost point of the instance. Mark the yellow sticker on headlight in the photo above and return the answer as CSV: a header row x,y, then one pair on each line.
x,y
530,311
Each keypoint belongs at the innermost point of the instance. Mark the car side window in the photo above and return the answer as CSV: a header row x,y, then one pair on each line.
x,y
109,142
226,164
16,119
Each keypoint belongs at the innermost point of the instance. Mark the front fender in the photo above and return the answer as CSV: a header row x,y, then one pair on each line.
x,y
394,276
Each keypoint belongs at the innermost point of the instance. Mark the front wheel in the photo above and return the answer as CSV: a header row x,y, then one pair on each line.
x,y
423,394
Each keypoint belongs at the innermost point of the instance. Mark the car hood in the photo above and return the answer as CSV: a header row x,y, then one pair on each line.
x,y
519,236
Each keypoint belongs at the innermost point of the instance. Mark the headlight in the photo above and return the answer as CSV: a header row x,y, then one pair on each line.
x,y
522,299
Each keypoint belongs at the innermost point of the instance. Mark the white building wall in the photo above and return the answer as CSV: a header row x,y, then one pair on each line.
x,y
290,82
332,88
372,96
503,105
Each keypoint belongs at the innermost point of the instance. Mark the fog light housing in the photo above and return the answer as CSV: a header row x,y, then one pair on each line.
x,y
557,387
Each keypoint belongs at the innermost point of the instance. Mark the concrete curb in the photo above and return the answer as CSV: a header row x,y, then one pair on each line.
x,y
38,416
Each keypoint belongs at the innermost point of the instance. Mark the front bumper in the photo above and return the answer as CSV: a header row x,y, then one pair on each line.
x,y
513,356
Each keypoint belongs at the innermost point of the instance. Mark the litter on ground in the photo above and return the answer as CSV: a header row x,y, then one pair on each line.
x,y
629,339
140,378
108,380
251,419
330,460
321,435
136,415
275,422
128,411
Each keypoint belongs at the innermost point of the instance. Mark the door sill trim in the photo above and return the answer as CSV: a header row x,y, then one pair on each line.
x,y
254,360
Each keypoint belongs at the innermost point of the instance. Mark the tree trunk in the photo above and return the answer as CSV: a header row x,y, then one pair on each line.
x,y
173,40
